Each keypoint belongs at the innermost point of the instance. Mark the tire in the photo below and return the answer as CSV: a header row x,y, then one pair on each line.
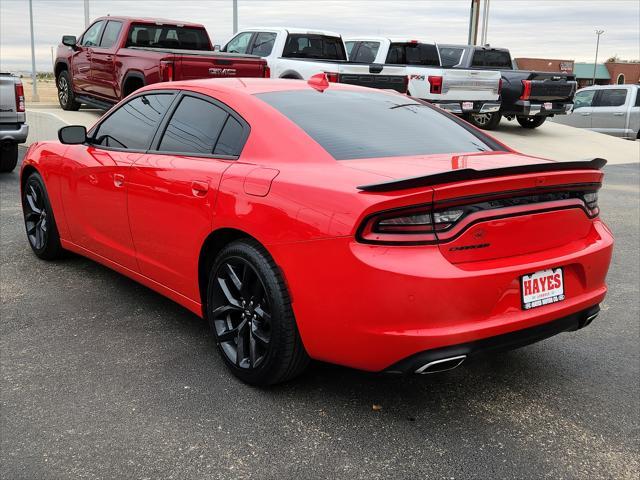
x,y
40,224
66,97
530,122
250,315
485,121
8,157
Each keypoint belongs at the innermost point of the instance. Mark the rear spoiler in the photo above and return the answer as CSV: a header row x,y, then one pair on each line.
x,y
471,174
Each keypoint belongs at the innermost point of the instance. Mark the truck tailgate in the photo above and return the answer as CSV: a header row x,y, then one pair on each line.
x,y
458,84
374,76
551,86
216,66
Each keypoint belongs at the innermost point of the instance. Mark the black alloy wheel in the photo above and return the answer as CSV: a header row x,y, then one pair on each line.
x,y
249,311
40,224
66,97
530,122
485,121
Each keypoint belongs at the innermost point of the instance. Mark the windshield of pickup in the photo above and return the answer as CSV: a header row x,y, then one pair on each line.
x,y
352,124
411,53
304,45
168,36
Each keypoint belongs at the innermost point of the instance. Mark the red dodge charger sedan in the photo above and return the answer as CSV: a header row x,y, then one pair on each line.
x,y
315,220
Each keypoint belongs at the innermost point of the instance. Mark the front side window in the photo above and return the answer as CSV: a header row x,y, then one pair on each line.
x,y
111,34
451,56
239,43
91,37
349,47
413,54
373,124
133,125
199,127
611,98
637,97
366,52
583,99
263,44
314,46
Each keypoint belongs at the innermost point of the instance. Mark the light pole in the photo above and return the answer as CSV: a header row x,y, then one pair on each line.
x,y
595,63
86,13
34,96
235,16
474,13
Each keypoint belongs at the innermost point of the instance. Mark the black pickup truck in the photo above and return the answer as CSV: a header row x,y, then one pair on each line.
x,y
529,97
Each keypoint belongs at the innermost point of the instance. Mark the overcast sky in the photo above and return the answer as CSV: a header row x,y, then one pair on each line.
x,y
529,28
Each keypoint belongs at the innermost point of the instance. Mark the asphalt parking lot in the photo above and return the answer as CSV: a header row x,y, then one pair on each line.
x,y
103,378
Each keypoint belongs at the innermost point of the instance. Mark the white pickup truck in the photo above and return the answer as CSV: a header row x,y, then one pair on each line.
x,y
455,90
301,53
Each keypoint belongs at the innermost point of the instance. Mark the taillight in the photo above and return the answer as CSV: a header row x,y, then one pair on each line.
x,y
166,71
591,201
500,86
267,71
20,107
332,77
408,225
435,83
526,90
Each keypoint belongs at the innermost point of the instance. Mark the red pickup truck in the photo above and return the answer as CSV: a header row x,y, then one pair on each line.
x,y
117,55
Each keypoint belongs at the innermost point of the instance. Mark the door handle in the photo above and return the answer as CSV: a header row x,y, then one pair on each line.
x,y
618,114
585,114
118,180
199,189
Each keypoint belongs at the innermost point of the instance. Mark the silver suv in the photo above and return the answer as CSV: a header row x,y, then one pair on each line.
x,y
13,129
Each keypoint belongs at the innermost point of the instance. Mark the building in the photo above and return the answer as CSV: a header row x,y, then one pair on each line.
x,y
545,65
585,74
624,72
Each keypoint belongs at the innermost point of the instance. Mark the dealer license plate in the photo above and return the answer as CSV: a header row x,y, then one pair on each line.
x,y
467,105
548,105
542,288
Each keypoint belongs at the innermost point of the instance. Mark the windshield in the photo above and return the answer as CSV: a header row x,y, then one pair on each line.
x,y
352,124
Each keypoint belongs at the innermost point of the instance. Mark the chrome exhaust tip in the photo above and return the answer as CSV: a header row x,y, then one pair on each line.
x,y
441,365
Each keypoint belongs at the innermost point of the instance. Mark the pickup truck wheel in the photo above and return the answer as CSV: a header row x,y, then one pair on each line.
x,y
8,157
39,222
530,122
485,121
249,311
65,93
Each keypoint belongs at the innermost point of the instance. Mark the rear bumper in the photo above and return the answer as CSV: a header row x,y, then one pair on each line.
x,y
457,107
535,108
14,132
500,343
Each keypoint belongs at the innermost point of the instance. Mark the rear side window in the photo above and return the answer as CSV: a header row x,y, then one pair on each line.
x,y
168,36
201,128
263,44
111,34
133,125
366,52
450,56
413,54
611,98
314,46
353,124
91,37
492,58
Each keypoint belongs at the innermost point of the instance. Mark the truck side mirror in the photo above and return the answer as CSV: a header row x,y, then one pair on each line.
x,y
70,41
72,134
216,48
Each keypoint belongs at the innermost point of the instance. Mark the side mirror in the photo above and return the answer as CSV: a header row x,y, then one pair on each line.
x,y
69,41
216,48
72,134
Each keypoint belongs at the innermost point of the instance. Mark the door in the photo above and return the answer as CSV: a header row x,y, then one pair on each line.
x,y
81,58
580,116
96,197
173,190
103,65
610,111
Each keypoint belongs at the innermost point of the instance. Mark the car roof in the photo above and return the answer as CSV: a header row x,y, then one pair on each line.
x,y
294,30
162,21
610,87
390,39
252,86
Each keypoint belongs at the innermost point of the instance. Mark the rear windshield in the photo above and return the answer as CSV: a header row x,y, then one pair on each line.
x,y
413,54
492,58
450,56
168,36
305,45
352,124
